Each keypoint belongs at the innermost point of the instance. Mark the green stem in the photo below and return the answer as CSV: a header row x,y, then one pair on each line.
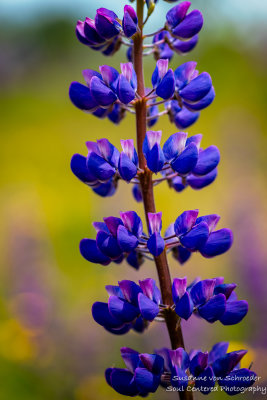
x,y
171,318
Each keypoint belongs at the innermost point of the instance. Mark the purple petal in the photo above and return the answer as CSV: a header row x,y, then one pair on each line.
x,y
117,114
178,288
135,259
130,358
155,159
109,152
187,160
174,145
202,291
88,74
185,118
209,379
102,94
114,291
130,21
102,316
181,254
198,363
106,23
108,245
151,138
153,363
211,220
125,91
156,244
149,310
183,47
130,291
176,14
128,72
185,222
166,87
80,33
110,76
150,290
81,97
126,240
180,358
112,224
90,252
213,309
184,307
179,379
197,88
132,222
225,288
79,168
129,149
199,182
121,309
218,351
184,74
127,168
90,32
234,313
159,72
195,139
237,381
106,189
122,381
146,381
203,103
208,159
224,365
137,193
155,222
218,243
190,26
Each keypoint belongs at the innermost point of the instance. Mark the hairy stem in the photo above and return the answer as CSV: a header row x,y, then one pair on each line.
x,y
171,318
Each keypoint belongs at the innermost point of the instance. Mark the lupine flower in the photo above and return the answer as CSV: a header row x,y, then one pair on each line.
x,y
128,303
105,31
173,368
219,365
130,21
180,116
137,194
116,238
182,154
195,89
195,182
141,377
104,164
181,24
163,80
105,88
210,299
197,234
166,49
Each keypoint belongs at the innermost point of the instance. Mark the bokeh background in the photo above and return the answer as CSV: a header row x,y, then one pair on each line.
x,y
50,348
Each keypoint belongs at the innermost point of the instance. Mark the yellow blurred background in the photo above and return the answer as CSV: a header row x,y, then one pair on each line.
x,y
50,347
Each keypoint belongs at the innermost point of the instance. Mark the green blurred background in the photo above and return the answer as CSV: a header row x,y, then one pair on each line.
x,y
50,348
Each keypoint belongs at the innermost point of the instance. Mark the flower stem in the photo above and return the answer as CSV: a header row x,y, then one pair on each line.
x,y
171,318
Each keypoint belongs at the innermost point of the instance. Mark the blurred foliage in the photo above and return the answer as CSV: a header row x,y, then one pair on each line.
x,y
49,346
